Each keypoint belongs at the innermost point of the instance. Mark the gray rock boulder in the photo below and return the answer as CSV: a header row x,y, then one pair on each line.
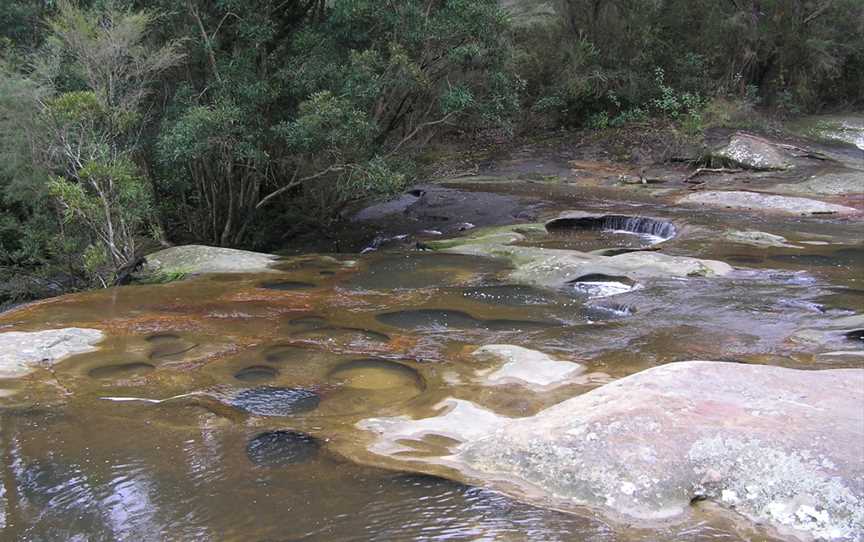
x,y
782,447
755,201
753,152
176,262
22,352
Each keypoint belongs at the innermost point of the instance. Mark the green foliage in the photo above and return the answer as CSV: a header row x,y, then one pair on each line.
x,y
790,56
377,176
75,107
318,104
76,119
163,277
327,126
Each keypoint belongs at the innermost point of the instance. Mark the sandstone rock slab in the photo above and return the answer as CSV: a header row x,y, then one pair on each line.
x,y
782,447
22,352
200,259
755,201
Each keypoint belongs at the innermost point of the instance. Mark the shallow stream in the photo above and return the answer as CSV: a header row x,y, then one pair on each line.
x,y
224,407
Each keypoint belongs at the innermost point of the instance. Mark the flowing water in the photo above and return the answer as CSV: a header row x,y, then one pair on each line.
x,y
224,407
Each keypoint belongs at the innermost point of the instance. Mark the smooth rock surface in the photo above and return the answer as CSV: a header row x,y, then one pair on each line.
x,y
526,367
782,447
755,201
21,352
199,259
753,152
831,332
828,184
758,239
556,268
849,129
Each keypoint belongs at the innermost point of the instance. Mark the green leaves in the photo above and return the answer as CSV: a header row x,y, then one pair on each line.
x,y
327,124
75,107
457,100
376,177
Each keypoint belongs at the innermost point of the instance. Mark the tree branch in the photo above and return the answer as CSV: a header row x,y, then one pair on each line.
x,y
416,130
296,182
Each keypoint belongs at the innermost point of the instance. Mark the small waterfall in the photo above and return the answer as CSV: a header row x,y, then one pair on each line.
x,y
381,240
660,229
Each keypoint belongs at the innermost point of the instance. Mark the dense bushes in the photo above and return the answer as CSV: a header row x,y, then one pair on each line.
x,y
635,57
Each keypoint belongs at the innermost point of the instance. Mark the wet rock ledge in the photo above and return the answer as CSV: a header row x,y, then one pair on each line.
x,y
779,446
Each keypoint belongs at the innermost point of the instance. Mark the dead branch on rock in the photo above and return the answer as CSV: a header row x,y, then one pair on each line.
x,y
706,170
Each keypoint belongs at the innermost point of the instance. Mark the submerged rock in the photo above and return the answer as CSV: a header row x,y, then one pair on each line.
x,y
780,446
281,448
21,352
271,401
754,201
176,262
558,268
753,152
758,239
376,374
526,367
444,319
121,370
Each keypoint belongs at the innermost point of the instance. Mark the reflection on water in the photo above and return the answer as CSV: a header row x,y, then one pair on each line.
x,y
201,484
280,448
268,401
237,411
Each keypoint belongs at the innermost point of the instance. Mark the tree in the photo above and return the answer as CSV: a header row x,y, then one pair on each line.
x,y
295,97
88,136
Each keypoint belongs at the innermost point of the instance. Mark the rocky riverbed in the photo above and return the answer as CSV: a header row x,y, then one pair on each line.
x,y
507,352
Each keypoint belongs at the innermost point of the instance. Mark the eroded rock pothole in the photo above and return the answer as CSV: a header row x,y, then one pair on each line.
x,y
376,374
273,401
256,373
121,370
